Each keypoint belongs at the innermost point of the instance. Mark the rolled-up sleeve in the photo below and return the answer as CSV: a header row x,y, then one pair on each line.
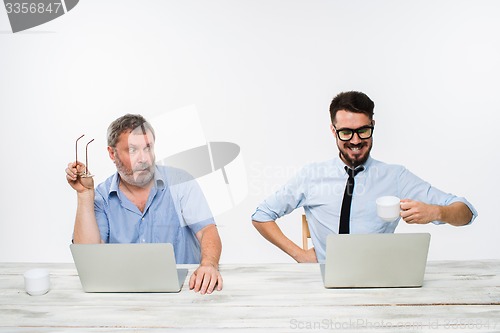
x,y
289,197
414,188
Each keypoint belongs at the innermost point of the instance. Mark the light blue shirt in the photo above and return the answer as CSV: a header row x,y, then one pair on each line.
x,y
175,211
319,188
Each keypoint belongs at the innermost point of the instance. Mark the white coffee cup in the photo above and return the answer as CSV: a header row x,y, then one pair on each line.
x,y
388,208
37,281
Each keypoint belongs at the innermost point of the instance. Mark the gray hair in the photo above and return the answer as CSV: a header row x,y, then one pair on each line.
x,y
127,123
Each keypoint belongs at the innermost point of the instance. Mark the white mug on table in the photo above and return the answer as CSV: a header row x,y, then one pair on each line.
x,y
37,281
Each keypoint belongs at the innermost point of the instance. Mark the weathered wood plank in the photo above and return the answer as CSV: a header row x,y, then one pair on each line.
x,y
281,297
239,317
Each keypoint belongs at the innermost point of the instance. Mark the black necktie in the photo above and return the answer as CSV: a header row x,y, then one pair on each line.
x,y
345,212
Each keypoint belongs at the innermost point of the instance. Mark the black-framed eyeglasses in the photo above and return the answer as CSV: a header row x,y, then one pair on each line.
x,y
346,134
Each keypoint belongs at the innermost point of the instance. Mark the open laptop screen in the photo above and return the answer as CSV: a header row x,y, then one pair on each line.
x,y
375,260
147,267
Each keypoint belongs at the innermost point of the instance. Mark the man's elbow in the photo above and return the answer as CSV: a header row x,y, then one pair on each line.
x,y
258,225
264,227
464,215
468,217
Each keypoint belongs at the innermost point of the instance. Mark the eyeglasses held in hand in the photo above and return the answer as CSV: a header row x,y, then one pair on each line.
x,y
86,173
346,134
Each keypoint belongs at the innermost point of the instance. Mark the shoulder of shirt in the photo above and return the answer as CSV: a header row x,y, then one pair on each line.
x,y
316,169
373,163
321,164
172,175
104,187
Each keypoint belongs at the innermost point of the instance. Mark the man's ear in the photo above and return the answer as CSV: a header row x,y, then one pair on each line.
x,y
111,153
334,132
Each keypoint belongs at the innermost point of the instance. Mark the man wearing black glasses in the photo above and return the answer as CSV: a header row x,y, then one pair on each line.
x,y
338,196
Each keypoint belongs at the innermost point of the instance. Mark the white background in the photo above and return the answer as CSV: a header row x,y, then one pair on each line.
x,y
262,75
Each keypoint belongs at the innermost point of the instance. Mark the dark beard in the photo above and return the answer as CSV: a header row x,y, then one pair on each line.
x,y
355,162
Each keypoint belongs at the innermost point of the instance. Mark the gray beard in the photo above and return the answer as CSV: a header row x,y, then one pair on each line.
x,y
127,175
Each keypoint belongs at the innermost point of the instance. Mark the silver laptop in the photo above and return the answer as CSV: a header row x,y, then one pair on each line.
x,y
147,267
375,260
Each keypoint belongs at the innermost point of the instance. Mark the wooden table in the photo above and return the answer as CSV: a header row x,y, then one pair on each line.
x,y
456,296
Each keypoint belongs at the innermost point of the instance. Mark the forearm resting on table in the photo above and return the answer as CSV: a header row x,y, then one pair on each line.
x,y
211,246
86,229
270,231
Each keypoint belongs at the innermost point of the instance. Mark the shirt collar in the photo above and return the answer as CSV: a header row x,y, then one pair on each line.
x,y
159,179
339,164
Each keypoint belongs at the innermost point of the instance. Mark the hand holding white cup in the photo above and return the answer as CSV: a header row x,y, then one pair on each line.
x,y
37,281
388,208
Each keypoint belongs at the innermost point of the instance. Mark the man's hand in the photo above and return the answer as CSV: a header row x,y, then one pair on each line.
x,y
307,256
74,173
205,279
416,212
456,213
